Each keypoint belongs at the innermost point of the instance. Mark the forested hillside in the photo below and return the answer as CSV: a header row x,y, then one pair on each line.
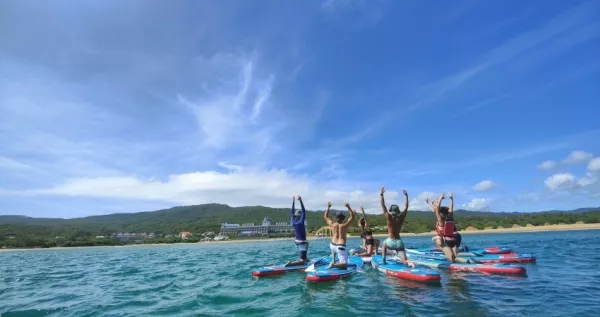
x,y
27,231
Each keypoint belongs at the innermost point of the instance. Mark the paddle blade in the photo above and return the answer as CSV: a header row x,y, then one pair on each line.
x,y
311,268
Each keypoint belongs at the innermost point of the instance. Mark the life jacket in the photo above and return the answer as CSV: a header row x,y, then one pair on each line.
x,y
447,230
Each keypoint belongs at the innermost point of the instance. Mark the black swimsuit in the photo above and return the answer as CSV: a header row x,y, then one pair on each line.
x,y
366,233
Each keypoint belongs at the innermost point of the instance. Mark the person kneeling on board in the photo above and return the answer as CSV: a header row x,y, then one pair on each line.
x,y
339,231
394,219
369,244
448,237
297,222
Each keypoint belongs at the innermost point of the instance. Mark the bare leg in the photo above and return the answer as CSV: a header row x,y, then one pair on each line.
x,y
402,255
460,260
299,262
438,241
342,266
332,260
449,254
383,252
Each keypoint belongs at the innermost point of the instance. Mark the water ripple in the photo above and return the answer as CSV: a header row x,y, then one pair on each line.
x,y
214,280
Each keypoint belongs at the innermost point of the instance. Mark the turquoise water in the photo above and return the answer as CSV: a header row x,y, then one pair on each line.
x,y
215,280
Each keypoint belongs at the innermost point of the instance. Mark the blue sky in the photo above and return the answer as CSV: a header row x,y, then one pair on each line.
x,y
126,106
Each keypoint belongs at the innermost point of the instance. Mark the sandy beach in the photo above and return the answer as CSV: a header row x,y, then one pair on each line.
x,y
563,227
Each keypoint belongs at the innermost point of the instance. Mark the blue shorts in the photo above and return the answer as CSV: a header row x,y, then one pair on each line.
x,y
393,244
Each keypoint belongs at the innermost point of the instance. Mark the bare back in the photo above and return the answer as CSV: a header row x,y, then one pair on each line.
x,y
394,224
339,233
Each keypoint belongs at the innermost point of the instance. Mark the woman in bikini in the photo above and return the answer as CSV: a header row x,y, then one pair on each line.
x,y
369,243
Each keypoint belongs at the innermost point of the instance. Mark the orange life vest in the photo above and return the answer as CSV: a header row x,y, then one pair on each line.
x,y
447,230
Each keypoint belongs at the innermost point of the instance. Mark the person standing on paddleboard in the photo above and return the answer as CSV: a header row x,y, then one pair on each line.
x,y
297,221
395,220
369,242
448,237
339,230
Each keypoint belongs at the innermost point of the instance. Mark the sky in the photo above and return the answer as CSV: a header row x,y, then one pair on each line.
x,y
127,106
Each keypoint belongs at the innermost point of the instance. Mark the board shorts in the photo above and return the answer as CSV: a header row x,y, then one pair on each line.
x,y
393,244
302,248
340,250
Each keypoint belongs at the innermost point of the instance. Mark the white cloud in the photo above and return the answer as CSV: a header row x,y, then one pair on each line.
x,y
547,165
477,204
484,185
587,180
230,115
418,202
241,186
594,165
578,157
561,181
574,157
230,166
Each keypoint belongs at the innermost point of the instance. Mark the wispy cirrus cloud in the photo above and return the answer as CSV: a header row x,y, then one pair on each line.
x,y
527,50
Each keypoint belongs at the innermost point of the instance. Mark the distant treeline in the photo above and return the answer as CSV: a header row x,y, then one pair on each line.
x,y
19,231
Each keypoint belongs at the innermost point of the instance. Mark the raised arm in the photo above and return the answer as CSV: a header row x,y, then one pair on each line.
x,y
303,217
364,217
293,209
405,211
326,216
351,215
431,205
437,209
385,211
451,209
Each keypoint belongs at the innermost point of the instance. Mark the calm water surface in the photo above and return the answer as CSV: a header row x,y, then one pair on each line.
x,y
215,280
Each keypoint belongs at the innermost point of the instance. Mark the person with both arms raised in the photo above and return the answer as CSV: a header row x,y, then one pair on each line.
x,y
394,219
339,231
446,230
297,221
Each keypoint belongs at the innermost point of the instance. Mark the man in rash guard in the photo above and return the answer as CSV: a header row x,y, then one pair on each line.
x,y
297,221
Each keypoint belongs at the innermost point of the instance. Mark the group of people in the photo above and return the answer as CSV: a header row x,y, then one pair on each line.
x,y
447,236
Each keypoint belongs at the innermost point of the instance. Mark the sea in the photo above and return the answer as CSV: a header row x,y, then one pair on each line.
x,y
214,279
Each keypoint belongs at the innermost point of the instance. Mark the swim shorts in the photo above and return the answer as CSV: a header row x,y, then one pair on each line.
x,y
340,250
393,244
302,247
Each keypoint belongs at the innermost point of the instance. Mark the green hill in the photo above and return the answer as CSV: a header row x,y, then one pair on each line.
x,y
209,217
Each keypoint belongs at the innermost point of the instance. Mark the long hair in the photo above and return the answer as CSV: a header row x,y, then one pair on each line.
x,y
444,211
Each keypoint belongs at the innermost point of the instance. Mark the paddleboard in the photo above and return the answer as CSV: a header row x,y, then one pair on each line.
x,y
482,258
282,269
497,268
318,272
355,251
395,267
467,252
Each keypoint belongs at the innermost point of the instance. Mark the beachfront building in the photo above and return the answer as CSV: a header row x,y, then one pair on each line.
x,y
265,229
132,236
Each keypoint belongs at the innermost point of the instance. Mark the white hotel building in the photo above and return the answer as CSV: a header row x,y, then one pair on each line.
x,y
250,229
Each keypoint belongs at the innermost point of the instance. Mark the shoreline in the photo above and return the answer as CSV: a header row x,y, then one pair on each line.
x,y
565,227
